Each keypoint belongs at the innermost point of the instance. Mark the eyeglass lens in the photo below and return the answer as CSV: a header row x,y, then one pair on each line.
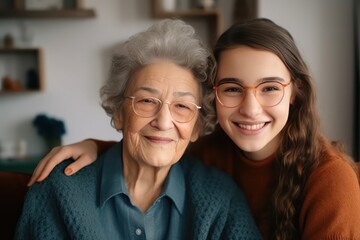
x,y
149,107
267,94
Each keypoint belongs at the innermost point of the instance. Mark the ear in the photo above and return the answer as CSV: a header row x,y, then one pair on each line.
x,y
118,122
195,134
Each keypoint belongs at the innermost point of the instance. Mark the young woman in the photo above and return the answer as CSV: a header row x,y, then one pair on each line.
x,y
298,185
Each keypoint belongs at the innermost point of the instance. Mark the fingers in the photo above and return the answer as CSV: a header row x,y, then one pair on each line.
x,y
84,152
81,162
39,168
37,171
47,164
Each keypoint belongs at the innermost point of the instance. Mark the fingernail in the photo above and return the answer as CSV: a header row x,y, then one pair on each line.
x,y
68,171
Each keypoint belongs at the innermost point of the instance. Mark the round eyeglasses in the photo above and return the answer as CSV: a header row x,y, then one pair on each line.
x,y
268,94
180,111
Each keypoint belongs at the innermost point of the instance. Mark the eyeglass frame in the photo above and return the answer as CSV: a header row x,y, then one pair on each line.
x,y
253,90
161,104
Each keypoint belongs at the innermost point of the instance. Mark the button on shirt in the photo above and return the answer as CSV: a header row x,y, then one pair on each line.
x,y
123,220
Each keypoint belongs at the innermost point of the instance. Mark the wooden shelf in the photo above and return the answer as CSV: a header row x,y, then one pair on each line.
x,y
23,9
23,66
187,13
4,92
18,50
21,69
65,13
212,16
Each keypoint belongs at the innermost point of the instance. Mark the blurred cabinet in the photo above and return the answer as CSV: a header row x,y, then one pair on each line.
x,y
212,16
19,165
21,70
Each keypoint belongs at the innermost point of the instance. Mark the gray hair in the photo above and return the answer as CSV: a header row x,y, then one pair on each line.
x,y
171,40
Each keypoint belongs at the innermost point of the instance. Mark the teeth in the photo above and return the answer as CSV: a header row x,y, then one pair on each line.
x,y
252,127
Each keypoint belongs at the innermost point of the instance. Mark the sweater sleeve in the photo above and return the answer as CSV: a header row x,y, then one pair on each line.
x,y
331,206
38,210
240,223
23,230
219,208
62,207
41,217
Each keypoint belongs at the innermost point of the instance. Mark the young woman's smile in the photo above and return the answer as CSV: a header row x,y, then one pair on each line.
x,y
250,128
252,76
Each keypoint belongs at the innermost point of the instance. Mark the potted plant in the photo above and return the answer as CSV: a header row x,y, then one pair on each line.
x,y
50,129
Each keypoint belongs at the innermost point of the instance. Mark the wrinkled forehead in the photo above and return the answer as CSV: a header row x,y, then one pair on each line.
x,y
165,78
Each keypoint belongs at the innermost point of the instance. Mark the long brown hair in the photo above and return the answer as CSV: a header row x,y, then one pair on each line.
x,y
302,144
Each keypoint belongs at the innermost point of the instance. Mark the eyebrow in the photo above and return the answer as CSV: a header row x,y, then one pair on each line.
x,y
241,82
155,91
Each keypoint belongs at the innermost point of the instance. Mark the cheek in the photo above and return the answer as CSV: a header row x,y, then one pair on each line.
x,y
222,113
281,112
132,128
185,130
134,124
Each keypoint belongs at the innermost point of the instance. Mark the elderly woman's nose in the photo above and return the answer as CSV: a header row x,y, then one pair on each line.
x,y
163,119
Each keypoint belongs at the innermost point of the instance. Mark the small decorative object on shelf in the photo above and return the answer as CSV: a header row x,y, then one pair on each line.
x,y
206,4
168,5
50,129
9,84
205,10
22,71
8,41
26,34
32,79
13,150
43,5
22,149
7,150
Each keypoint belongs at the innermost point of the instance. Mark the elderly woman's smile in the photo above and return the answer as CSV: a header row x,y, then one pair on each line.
x,y
161,95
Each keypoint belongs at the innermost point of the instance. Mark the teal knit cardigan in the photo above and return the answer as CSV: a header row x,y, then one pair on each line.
x,y
64,207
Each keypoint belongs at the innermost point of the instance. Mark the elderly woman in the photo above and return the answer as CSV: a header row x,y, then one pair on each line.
x,y
157,95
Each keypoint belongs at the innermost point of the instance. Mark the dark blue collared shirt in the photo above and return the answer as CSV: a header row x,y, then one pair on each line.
x,y
123,220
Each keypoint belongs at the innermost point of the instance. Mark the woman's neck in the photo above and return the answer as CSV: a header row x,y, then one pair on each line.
x,y
144,183
268,150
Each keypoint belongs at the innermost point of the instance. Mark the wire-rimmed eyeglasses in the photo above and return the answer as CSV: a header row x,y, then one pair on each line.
x,y
181,111
268,94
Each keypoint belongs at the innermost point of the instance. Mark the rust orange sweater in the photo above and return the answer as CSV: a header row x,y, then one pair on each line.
x,y
330,209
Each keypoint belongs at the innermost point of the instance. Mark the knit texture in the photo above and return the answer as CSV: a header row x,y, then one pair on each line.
x,y
68,207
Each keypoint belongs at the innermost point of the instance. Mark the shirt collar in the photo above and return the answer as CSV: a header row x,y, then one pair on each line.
x,y
112,179
175,186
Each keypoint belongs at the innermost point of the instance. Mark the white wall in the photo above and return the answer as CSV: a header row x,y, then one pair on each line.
x,y
76,54
323,30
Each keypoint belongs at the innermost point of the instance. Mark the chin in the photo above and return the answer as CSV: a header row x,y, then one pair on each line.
x,y
160,162
251,148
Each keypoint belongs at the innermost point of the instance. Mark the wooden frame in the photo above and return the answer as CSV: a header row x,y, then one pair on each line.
x,y
213,16
73,10
34,61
